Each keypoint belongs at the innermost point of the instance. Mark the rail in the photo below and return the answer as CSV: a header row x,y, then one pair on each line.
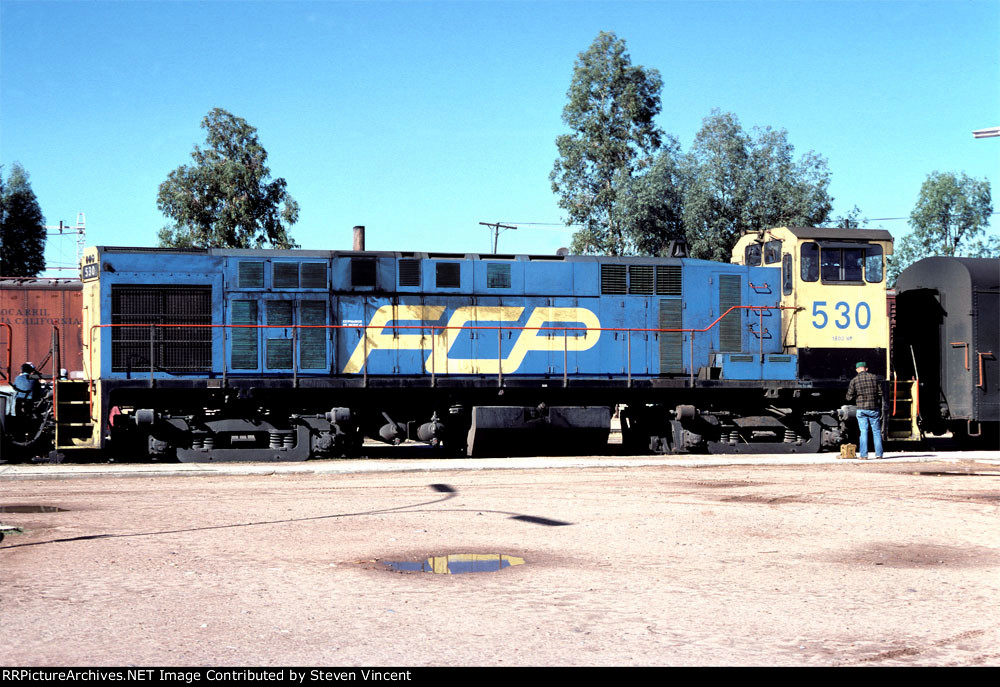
x,y
627,339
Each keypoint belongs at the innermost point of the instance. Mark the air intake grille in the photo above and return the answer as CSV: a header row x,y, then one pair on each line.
x,y
730,334
409,273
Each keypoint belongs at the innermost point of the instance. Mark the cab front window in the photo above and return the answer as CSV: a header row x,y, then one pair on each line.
x,y
841,264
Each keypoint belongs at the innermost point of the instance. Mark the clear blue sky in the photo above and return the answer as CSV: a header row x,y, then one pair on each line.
x,y
422,119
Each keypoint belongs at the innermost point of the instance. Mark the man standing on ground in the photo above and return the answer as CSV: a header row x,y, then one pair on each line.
x,y
865,392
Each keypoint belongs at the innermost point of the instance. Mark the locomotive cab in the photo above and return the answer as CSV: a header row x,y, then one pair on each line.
x,y
833,295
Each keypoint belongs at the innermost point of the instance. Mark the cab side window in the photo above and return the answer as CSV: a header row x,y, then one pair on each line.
x,y
809,262
873,264
786,274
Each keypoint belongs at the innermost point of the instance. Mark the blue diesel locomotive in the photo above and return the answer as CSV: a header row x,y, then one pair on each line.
x,y
217,354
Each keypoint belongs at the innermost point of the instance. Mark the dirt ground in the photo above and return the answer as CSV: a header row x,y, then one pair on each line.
x,y
875,564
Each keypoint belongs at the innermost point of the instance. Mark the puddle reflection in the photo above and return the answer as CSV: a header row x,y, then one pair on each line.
x,y
457,563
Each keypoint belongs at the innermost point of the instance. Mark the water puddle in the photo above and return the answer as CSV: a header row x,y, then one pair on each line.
x,y
961,473
457,563
28,508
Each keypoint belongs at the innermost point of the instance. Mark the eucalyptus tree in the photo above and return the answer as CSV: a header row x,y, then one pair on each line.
x,y
613,139
226,198
738,181
950,218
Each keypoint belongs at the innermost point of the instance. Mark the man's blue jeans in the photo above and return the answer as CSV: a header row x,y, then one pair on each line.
x,y
865,418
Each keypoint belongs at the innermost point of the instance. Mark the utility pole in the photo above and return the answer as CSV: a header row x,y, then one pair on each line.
x,y
497,228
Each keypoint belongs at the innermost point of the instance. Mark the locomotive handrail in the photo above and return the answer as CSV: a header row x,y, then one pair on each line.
x,y
10,344
499,327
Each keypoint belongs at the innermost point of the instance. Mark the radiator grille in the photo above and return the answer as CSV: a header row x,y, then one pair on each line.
x,y
175,349
668,280
613,279
640,279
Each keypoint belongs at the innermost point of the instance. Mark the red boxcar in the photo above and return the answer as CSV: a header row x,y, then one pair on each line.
x,y
31,307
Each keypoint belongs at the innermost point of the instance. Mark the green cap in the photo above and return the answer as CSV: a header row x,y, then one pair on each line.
x,y
861,365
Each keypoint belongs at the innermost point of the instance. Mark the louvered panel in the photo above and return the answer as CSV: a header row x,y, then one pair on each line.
x,y
409,273
730,295
279,354
671,343
312,342
244,340
640,279
279,313
314,275
613,279
251,274
668,280
285,275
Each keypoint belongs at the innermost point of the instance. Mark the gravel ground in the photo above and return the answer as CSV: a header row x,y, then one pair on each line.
x,y
855,564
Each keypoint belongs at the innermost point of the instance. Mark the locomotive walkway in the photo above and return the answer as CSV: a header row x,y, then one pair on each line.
x,y
416,464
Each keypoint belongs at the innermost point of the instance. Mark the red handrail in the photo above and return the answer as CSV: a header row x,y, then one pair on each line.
x,y
628,330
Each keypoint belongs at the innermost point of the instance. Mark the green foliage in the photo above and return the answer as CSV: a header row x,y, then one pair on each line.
x,y
653,206
950,218
225,198
22,227
738,182
632,190
852,220
610,113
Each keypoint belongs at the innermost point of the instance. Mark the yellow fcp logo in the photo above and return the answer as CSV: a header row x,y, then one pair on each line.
x,y
438,346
